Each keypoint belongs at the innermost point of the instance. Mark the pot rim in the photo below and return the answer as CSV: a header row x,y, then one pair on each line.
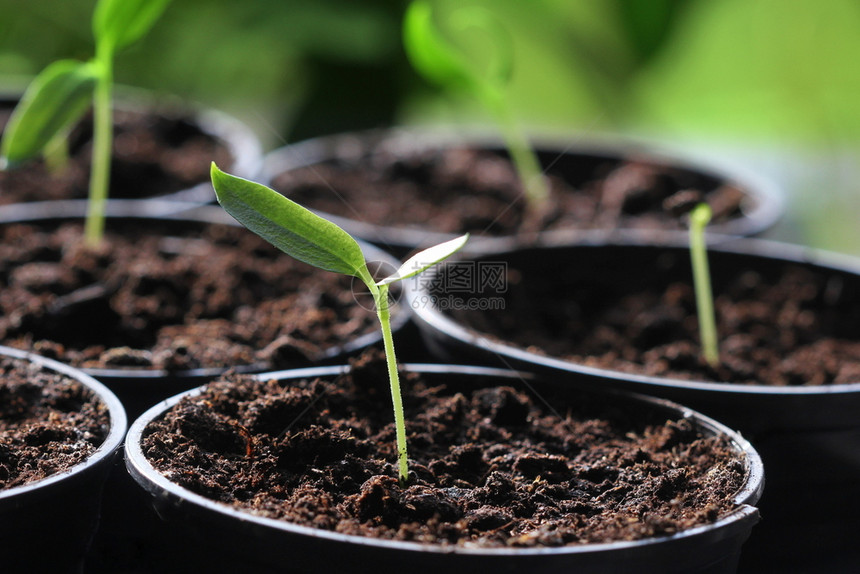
x,y
114,439
163,209
236,136
743,246
768,203
158,485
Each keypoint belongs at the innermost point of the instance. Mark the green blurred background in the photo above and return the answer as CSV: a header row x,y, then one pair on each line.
x,y
771,85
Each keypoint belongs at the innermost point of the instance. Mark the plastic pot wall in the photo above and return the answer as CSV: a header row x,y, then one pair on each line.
x,y
47,526
808,436
221,539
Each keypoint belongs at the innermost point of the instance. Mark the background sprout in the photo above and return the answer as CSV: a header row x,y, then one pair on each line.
x,y
444,64
58,97
319,242
699,218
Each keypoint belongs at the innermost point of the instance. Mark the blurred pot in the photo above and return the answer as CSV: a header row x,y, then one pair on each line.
x,y
178,134
410,160
48,525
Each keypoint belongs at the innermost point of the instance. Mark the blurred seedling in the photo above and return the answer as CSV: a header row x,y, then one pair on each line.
x,y
61,94
700,216
441,62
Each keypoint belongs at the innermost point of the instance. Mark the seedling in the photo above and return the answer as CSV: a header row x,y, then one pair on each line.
x,y
442,63
58,97
319,242
699,218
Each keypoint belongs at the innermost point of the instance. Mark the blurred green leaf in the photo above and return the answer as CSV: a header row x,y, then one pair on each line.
x,y
53,102
120,23
429,53
443,63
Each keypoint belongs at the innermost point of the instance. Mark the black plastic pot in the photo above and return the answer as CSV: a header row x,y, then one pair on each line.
x,y
808,436
574,160
47,526
236,138
229,540
140,388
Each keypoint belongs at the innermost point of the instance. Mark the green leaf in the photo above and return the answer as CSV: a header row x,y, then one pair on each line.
x,y
120,23
441,62
429,53
425,259
54,101
500,68
289,226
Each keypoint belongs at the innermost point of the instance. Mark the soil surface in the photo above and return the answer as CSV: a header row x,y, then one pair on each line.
x,y
173,296
153,155
457,190
48,422
490,466
635,311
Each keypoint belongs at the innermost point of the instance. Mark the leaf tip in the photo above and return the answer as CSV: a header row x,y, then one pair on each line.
x,y
218,178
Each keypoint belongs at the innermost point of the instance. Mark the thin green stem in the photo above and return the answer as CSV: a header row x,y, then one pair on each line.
x,y
699,218
523,157
102,144
384,315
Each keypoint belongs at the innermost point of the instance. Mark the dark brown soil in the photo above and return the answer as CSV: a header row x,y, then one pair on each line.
x,y
48,423
153,155
490,466
177,297
459,190
635,311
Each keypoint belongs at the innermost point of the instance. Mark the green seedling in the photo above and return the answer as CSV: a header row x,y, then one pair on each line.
x,y
699,218
319,242
442,63
59,96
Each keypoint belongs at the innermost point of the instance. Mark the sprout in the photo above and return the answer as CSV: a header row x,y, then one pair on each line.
x,y
442,63
319,242
699,218
58,97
